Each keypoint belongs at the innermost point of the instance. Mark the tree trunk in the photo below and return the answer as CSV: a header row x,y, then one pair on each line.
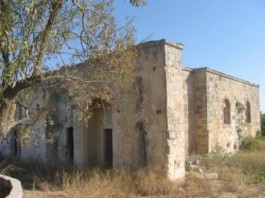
x,y
7,115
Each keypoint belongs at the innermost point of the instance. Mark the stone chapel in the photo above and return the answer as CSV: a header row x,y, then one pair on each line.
x,y
169,112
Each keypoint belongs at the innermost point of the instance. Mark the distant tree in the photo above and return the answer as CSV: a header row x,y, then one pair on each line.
x,y
35,33
262,122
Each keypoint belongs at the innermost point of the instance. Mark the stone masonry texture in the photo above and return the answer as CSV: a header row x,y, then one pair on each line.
x,y
168,113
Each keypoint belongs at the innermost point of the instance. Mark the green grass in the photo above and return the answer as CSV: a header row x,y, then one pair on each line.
x,y
248,164
260,177
253,144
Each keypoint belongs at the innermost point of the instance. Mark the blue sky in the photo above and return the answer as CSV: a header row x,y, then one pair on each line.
x,y
225,35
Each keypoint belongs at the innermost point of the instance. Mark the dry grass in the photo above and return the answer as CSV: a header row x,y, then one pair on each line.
x,y
242,174
6,167
116,183
41,181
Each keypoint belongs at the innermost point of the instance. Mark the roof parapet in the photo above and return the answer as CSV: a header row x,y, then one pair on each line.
x,y
148,44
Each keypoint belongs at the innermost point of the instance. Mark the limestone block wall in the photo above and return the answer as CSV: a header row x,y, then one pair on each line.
x,y
33,146
29,146
148,120
65,119
175,112
7,146
167,112
189,110
139,119
38,144
200,108
238,93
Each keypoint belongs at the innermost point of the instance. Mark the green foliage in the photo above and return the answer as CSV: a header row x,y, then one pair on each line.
x,y
34,34
262,123
5,18
253,143
260,177
250,163
218,156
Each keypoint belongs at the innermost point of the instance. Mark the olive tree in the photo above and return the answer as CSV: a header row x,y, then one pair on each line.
x,y
36,35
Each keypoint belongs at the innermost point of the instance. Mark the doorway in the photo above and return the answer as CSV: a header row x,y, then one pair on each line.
x,y
16,144
108,148
70,143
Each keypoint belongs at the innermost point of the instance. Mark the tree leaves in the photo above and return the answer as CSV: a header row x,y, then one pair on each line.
x,y
37,35
138,3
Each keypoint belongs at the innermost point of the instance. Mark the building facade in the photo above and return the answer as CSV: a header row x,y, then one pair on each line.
x,y
168,113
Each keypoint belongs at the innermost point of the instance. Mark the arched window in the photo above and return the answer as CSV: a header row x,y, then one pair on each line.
x,y
226,111
248,114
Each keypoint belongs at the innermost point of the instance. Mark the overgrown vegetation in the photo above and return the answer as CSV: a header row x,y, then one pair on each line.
x,y
242,173
39,37
262,123
40,180
253,143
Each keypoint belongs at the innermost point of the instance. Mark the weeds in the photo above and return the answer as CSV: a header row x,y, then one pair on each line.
x,y
253,144
236,174
260,177
6,167
218,157
115,183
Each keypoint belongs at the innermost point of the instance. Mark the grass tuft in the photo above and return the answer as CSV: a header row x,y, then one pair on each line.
x,y
242,173
253,144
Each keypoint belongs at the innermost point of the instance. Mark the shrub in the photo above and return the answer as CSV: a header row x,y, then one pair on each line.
x,y
218,156
250,163
6,167
262,123
260,177
253,143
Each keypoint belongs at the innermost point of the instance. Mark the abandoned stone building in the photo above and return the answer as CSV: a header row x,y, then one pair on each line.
x,y
168,113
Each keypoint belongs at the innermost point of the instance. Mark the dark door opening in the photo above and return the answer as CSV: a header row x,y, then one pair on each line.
x,y
70,143
16,144
108,148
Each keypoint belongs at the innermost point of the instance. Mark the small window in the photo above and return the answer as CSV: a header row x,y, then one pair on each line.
x,y
37,107
248,114
226,111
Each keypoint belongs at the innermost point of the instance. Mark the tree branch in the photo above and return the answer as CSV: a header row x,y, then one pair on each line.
x,y
55,8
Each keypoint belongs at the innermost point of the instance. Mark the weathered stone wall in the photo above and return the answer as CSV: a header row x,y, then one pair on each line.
x,y
189,110
6,146
149,121
140,123
32,146
200,104
238,92
175,111
167,112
